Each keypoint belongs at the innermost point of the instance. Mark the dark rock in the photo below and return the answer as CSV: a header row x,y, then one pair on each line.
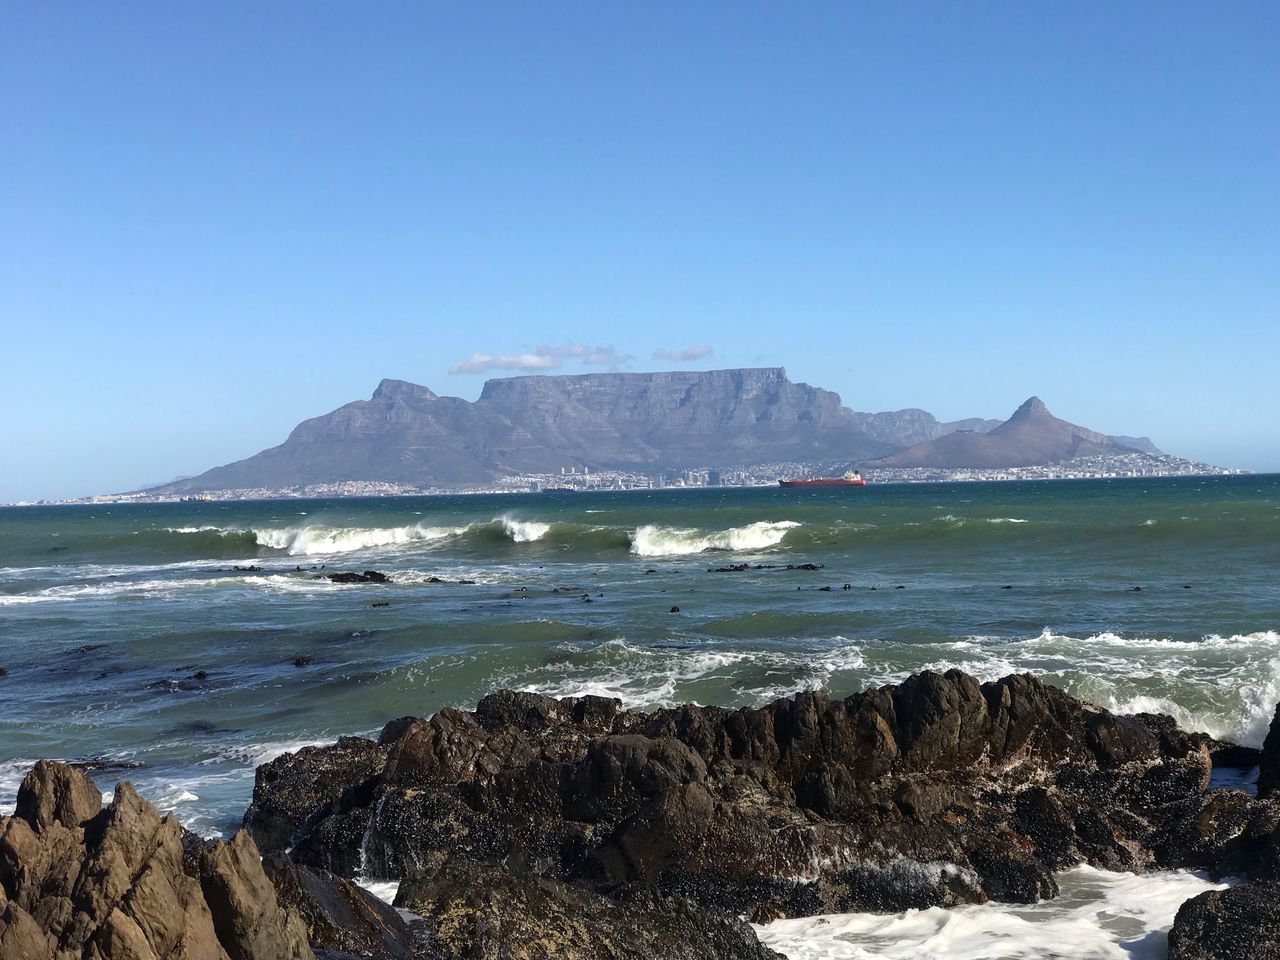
x,y
303,661
296,786
937,791
1242,923
731,568
339,915
369,576
79,880
480,912
1269,762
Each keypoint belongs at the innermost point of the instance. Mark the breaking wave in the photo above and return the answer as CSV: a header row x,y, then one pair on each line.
x,y
317,540
656,541
649,540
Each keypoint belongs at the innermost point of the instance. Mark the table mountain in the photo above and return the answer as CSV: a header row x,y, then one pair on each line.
x,y
646,422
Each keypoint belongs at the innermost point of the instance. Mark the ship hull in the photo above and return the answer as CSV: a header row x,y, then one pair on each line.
x,y
824,482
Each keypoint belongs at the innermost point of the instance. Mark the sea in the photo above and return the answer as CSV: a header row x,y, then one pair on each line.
x,y
180,645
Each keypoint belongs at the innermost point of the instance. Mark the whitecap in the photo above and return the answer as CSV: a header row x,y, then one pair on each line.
x,y
320,540
524,531
657,541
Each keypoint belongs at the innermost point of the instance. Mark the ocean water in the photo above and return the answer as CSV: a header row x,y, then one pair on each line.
x,y
130,639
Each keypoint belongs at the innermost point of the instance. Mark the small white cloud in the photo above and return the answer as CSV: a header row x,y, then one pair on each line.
x,y
484,362
700,352
591,356
543,358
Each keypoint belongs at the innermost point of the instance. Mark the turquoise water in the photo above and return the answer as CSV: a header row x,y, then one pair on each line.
x,y
129,638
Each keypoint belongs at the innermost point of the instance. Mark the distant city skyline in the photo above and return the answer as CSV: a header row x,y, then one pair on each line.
x,y
221,221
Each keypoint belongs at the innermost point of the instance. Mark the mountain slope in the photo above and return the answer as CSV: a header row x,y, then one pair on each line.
x,y
646,422
1032,436
407,434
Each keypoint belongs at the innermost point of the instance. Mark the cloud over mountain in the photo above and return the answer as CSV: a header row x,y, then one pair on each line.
x,y
543,357
700,352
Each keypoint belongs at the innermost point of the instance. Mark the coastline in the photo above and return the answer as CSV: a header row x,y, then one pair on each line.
x,y
570,828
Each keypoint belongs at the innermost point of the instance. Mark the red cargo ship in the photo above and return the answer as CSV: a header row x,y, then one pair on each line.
x,y
850,479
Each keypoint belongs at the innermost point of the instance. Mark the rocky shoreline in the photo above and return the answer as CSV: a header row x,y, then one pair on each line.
x,y
539,828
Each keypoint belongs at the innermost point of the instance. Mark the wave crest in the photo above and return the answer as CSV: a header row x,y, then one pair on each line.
x,y
651,540
316,540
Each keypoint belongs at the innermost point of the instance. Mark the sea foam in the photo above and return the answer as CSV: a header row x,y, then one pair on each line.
x,y
657,541
1098,916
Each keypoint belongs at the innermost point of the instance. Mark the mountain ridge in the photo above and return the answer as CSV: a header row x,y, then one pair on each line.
x,y
1032,436
406,433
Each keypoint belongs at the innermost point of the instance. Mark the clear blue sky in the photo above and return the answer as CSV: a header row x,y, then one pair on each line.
x,y
219,219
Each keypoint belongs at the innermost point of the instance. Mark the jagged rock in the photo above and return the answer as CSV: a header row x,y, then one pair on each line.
x,y
937,791
1269,763
1226,832
316,777
483,912
1242,923
85,882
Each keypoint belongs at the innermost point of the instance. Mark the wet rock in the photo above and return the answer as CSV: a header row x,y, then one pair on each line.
x,y
78,880
369,576
339,915
295,787
1242,923
731,568
1269,761
481,912
937,791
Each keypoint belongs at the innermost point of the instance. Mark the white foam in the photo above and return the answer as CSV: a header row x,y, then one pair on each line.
x,y
384,890
11,774
657,541
162,589
647,677
524,531
1098,916
319,540
1225,686
256,754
